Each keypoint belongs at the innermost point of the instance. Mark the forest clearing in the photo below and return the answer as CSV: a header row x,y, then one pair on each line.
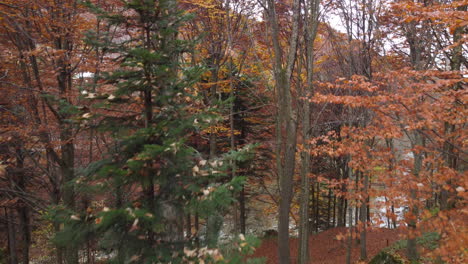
x,y
233,131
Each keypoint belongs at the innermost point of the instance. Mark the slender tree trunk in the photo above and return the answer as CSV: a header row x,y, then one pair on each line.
x,y
368,212
242,211
23,210
313,205
214,221
386,211
312,11
356,201
345,210
305,187
317,208
67,171
334,211
416,55
363,218
188,226
196,225
64,81
341,215
350,216
350,237
329,208
287,118
13,257
56,200
412,253
236,210
148,113
26,233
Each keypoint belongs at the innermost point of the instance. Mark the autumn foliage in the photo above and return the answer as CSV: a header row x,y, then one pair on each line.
x,y
140,131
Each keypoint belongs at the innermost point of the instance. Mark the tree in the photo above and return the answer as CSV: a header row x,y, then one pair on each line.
x,y
156,176
311,27
285,144
44,38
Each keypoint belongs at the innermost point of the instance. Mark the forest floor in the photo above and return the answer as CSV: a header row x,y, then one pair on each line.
x,y
326,249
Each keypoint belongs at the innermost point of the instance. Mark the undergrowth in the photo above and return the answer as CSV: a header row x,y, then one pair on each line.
x,y
391,254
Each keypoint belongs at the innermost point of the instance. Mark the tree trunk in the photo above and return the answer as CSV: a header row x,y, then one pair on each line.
x,y
312,204
450,157
317,208
394,220
286,120
328,208
215,220
13,258
350,216
350,237
412,252
305,185
311,11
345,210
188,226
363,218
71,252
23,210
196,225
242,212
26,233
341,214
67,146
334,211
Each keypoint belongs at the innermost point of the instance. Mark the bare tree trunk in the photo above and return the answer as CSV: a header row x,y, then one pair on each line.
x,y
363,218
26,233
242,212
236,208
286,118
350,237
412,253
345,209
313,205
334,211
329,197
188,226
196,224
214,221
71,252
317,208
356,201
305,185
311,11
64,81
341,214
350,217
13,258
56,200
23,210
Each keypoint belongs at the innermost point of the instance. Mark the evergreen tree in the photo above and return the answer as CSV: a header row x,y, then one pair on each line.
x,y
151,172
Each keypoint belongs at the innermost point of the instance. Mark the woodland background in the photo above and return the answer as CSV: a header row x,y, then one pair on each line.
x,y
157,131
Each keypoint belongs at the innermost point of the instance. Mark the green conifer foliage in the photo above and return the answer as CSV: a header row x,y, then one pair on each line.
x,y
151,176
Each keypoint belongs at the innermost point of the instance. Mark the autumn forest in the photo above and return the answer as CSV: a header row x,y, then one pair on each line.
x,y
233,131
